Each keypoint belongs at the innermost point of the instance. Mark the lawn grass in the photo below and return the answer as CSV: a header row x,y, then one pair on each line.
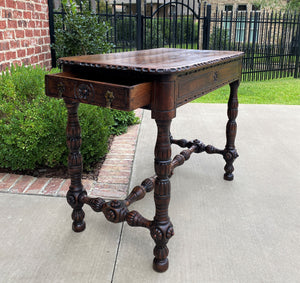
x,y
277,91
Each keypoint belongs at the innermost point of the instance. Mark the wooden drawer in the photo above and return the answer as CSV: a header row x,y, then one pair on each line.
x,y
203,81
122,97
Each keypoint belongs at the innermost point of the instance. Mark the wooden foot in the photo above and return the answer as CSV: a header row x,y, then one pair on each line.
x,y
76,190
160,266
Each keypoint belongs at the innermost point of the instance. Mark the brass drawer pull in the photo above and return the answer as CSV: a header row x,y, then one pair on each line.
x,y
60,89
109,97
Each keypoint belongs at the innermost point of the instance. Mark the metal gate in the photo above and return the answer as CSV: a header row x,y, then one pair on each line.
x,y
270,40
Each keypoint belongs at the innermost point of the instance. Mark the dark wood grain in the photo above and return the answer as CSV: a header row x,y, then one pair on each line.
x,y
76,190
161,60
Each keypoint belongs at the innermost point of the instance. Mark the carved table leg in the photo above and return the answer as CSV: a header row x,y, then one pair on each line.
x,y
76,190
230,153
162,229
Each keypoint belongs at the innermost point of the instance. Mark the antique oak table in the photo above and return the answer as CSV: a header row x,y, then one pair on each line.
x,y
159,80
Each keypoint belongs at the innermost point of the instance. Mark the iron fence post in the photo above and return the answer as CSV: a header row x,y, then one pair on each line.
x,y
51,29
139,25
297,65
206,28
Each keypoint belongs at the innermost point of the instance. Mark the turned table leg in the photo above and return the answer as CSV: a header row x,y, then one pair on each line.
x,y
230,153
162,228
76,190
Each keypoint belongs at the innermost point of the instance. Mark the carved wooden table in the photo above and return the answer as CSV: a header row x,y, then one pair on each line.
x,y
159,80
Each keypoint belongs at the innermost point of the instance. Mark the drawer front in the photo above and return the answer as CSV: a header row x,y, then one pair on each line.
x,y
103,94
191,86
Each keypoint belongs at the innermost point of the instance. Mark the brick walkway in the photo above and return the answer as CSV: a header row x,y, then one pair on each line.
x,y
113,178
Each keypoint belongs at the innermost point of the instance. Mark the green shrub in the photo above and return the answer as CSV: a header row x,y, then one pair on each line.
x,y
122,120
80,32
32,125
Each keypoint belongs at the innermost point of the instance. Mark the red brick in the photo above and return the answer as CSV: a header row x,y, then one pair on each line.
x,y
7,14
38,7
2,3
25,43
45,48
47,40
2,56
29,6
41,57
22,24
1,35
110,173
11,4
31,24
26,61
37,186
30,51
45,24
48,55
120,156
110,191
2,24
43,16
14,44
4,45
8,34
44,32
8,181
38,24
115,168
33,41
36,15
20,33
27,15
34,59
64,188
48,64
37,32
17,14
4,66
11,55
118,150
29,33
2,175
17,62
20,5
21,53
37,49
22,184
114,179
53,186
119,162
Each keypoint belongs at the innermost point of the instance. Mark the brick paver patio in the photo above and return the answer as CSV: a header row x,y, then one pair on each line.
x,y
113,179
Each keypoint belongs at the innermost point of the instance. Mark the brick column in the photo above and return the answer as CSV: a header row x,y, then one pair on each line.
x,y
24,33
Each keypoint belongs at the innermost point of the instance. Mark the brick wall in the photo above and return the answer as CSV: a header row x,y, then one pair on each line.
x,y
24,33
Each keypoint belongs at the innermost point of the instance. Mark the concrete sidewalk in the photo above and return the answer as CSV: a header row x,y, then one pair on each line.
x,y
247,230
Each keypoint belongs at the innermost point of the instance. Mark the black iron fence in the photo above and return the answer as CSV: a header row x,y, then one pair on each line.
x,y
270,40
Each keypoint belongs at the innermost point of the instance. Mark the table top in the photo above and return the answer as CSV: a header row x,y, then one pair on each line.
x,y
160,60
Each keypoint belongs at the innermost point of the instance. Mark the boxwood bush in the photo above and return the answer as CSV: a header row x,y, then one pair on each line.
x,y
32,125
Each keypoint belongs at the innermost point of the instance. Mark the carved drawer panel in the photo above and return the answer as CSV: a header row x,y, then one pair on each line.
x,y
200,82
122,97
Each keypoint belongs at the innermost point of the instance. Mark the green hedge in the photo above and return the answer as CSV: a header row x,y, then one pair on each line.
x,y
32,125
